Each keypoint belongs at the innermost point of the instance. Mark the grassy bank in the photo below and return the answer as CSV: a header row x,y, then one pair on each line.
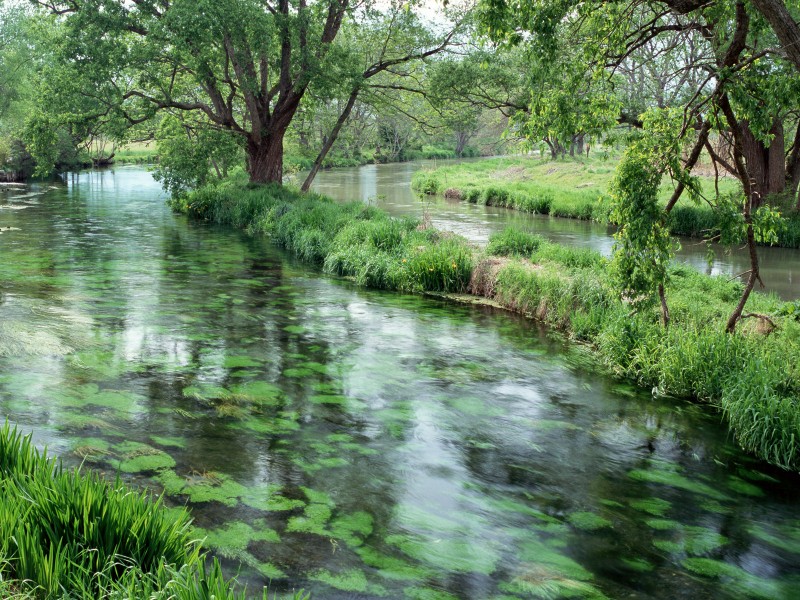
x,y
571,188
751,377
65,534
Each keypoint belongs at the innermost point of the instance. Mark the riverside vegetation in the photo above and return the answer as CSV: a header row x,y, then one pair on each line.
x,y
751,377
77,535
578,189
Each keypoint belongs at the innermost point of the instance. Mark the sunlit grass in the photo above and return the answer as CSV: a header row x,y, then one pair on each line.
x,y
69,534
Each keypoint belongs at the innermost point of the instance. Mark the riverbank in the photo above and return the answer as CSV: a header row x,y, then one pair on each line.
x,y
751,377
67,532
571,188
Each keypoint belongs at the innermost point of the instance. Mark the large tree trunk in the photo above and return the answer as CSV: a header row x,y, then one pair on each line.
x,y
793,166
766,170
785,28
265,158
462,138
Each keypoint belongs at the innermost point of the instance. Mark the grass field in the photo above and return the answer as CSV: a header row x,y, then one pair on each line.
x,y
573,188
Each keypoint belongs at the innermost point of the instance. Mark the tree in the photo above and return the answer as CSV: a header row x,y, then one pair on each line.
x,y
385,50
244,64
734,82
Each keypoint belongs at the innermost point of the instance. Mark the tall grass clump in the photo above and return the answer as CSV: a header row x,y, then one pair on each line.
x,y
425,182
513,242
60,528
68,534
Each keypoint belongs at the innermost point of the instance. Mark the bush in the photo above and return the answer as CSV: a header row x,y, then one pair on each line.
x,y
440,265
513,241
425,182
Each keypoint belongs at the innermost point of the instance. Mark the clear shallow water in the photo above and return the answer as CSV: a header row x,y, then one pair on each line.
x,y
362,444
390,187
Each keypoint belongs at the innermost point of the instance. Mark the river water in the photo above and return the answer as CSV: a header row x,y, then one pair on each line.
x,y
389,186
362,444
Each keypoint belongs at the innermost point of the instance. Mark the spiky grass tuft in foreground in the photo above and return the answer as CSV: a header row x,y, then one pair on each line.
x,y
66,534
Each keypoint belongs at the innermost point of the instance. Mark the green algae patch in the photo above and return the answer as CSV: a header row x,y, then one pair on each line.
x,y
588,521
235,537
238,362
169,442
689,539
91,449
329,399
315,516
639,565
205,392
426,593
297,373
787,538
662,524
740,486
90,394
350,580
258,392
269,499
509,505
541,583
393,568
270,571
203,487
353,529
652,506
295,329
135,457
673,479
538,554
553,425
739,583
459,555
102,364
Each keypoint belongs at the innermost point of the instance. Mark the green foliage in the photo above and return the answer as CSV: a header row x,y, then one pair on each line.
x,y
192,153
61,528
513,241
643,247
41,140
426,183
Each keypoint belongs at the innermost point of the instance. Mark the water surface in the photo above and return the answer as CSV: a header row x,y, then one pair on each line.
x,y
363,444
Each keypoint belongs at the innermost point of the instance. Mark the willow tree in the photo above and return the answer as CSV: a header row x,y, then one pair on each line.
x,y
244,64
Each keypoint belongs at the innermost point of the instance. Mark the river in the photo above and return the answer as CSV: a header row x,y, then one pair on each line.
x,y
389,186
362,444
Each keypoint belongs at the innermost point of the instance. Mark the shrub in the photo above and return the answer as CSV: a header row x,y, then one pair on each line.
x,y
442,265
513,241
426,182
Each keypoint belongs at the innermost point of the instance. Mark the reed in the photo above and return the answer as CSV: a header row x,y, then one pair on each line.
x,y
69,534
